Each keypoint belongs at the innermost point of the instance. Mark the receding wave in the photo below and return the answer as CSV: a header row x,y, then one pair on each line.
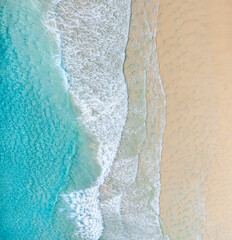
x,y
130,194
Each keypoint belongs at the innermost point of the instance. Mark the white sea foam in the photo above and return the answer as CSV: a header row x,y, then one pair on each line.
x,y
85,210
93,40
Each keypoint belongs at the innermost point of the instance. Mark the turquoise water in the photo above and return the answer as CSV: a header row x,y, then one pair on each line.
x,y
43,150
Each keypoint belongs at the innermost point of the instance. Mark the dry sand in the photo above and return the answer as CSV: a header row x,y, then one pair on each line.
x,y
219,180
194,42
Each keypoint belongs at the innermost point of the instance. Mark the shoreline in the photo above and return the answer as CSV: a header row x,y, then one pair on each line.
x,y
134,178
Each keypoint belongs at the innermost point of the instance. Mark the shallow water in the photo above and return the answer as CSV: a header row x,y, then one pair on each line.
x,y
44,151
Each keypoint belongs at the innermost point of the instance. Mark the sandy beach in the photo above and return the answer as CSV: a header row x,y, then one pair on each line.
x,y
219,180
194,49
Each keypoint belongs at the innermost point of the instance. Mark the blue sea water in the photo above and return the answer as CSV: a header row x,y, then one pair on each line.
x,y
44,152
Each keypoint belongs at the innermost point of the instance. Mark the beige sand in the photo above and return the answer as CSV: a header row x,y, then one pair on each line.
x,y
219,180
194,43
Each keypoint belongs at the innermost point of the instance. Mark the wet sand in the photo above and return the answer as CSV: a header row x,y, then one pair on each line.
x,y
194,49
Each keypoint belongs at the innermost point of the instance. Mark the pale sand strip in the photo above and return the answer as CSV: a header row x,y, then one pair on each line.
x,y
130,194
219,181
183,42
